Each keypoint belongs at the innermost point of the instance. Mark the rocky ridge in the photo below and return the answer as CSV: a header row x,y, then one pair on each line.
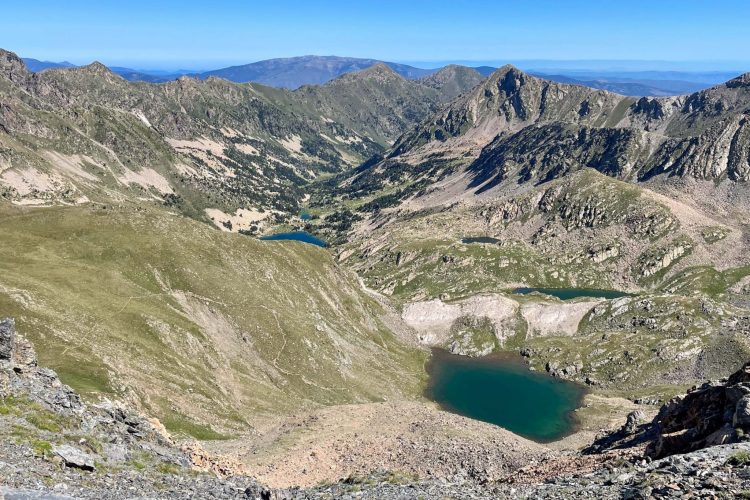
x,y
54,442
514,128
74,135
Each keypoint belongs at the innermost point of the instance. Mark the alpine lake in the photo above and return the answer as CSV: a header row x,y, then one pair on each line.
x,y
501,390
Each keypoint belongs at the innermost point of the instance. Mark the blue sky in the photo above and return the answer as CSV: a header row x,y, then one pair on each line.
x,y
197,35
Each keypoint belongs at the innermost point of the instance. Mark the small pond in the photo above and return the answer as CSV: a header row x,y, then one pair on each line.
x,y
303,236
573,293
305,215
501,390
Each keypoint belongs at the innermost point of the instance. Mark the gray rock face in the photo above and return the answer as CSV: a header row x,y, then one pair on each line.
x,y
708,415
634,419
73,457
24,494
79,436
742,412
708,473
7,340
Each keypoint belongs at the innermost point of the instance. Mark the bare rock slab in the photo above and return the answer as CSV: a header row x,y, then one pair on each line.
x,y
73,457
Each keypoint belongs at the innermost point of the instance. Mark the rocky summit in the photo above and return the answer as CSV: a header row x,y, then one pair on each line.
x,y
326,277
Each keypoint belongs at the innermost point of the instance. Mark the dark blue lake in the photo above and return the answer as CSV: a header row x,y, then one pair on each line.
x,y
503,391
303,236
573,293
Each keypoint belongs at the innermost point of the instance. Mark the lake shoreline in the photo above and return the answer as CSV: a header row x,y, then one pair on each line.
x,y
514,363
301,236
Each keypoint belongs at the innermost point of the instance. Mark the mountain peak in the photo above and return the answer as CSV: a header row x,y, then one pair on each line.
x,y
97,68
508,78
455,69
508,68
453,80
379,69
379,72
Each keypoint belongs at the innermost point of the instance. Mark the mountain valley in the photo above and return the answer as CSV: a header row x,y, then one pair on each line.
x,y
130,215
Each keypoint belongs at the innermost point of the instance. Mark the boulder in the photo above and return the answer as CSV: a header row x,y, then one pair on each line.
x,y
73,457
24,356
634,420
15,351
741,416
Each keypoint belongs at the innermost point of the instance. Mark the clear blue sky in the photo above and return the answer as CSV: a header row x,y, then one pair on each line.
x,y
194,34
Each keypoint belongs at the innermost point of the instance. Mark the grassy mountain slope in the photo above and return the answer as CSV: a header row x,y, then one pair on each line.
x,y
686,266
377,102
583,230
453,80
198,327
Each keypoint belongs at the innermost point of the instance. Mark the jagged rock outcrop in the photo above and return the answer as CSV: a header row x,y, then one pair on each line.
x,y
114,423
516,128
19,374
59,437
708,415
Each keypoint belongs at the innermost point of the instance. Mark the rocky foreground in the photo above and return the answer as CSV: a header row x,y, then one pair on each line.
x,y
55,446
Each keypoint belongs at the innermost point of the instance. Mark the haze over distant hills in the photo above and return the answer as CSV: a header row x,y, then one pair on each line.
x,y
294,72
36,65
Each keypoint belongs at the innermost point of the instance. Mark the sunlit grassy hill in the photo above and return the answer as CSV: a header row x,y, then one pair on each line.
x,y
193,324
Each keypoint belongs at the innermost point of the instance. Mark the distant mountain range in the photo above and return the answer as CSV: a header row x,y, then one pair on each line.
x,y
294,72
631,86
36,65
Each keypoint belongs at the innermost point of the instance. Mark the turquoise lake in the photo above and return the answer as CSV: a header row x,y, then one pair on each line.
x,y
573,293
501,390
302,236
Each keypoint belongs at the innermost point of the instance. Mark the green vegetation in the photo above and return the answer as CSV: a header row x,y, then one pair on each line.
x,y
431,268
180,426
704,279
231,327
471,335
739,459
168,468
42,448
712,234
35,414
